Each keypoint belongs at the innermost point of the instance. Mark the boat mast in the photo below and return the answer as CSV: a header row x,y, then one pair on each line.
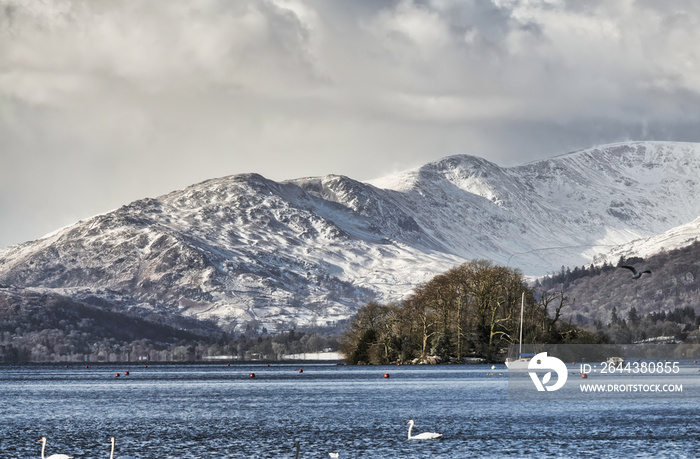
x,y
522,307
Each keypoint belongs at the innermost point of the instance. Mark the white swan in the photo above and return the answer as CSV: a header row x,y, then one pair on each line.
x,y
421,436
53,456
111,454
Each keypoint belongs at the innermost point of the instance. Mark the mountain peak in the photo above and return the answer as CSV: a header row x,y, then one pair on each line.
x,y
244,249
455,169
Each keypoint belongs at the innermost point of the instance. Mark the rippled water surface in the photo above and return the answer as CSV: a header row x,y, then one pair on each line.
x,y
218,411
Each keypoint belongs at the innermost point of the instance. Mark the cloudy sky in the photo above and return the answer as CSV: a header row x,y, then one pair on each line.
x,y
105,102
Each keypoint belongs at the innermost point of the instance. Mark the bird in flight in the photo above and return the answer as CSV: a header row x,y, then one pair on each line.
x,y
635,273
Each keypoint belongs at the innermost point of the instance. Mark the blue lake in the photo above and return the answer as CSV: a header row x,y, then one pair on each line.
x,y
218,411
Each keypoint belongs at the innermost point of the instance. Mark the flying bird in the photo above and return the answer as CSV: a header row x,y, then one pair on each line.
x,y
635,273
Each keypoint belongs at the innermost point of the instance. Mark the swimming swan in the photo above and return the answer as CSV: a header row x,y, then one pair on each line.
x,y
53,456
111,455
421,436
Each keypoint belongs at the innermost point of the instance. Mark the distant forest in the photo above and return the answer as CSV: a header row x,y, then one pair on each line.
x,y
567,276
674,283
38,327
608,300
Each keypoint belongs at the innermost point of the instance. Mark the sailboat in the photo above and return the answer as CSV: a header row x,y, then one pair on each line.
x,y
523,360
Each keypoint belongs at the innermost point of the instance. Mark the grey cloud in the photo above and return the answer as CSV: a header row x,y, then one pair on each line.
x,y
103,102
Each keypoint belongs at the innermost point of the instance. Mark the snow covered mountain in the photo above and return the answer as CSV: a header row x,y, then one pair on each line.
x,y
678,237
244,249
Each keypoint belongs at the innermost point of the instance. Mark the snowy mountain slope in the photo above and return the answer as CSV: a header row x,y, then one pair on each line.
x,y
680,236
244,249
238,249
560,211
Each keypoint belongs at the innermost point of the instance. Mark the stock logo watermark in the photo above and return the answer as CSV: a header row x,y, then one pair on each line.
x,y
607,372
541,362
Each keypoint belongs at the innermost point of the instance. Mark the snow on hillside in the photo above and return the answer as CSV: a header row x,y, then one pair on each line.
x,y
244,249
560,211
678,237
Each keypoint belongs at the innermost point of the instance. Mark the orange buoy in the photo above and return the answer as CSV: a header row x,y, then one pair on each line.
x,y
584,375
300,370
145,366
386,375
126,373
117,375
252,375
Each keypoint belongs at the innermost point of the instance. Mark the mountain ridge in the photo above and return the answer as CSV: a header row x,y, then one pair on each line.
x,y
243,249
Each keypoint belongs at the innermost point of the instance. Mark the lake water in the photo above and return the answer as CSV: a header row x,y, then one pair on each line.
x,y
218,411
